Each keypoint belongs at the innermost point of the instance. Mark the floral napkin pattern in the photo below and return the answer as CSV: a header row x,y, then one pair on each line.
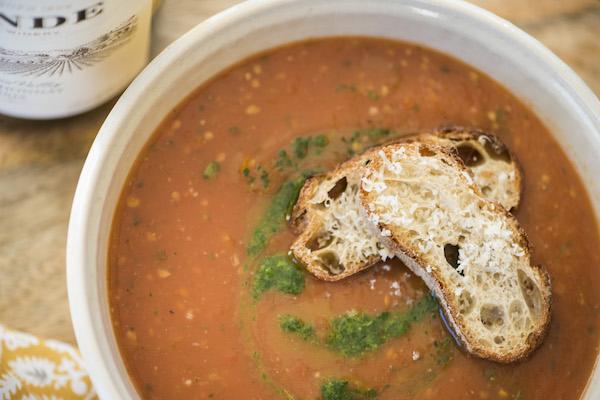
x,y
35,369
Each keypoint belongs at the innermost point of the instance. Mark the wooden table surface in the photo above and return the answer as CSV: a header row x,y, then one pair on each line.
x,y
40,162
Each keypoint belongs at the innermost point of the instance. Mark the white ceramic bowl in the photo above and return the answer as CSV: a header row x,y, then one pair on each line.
x,y
488,43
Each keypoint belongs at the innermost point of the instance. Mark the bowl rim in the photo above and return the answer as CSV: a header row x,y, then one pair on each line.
x,y
83,305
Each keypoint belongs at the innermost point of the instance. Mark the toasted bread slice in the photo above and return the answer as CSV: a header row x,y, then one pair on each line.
x,y
333,240
495,169
422,202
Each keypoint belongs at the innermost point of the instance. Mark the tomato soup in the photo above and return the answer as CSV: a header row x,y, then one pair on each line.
x,y
208,303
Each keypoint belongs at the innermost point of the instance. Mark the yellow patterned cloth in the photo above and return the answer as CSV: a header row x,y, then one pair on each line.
x,y
37,369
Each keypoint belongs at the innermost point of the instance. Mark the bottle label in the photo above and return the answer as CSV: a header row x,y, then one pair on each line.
x,y
62,58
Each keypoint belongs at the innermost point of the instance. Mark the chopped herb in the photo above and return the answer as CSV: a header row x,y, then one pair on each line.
x,y
356,333
347,63
320,141
564,170
264,177
422,308
140,184
443,353
340,390
284,161
277,272
351,139
373,136
276,214
136,220
149,388
373,95
377,133
415,108
246,173
519,395
300,146
445,343
235,130
341,87
211,170
170,142
299,150
445,69
161,255
294,325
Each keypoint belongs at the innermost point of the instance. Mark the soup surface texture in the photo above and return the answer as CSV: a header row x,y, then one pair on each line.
x,y
206,300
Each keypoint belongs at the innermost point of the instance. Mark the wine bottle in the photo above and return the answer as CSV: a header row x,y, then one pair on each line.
x,y
63,57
